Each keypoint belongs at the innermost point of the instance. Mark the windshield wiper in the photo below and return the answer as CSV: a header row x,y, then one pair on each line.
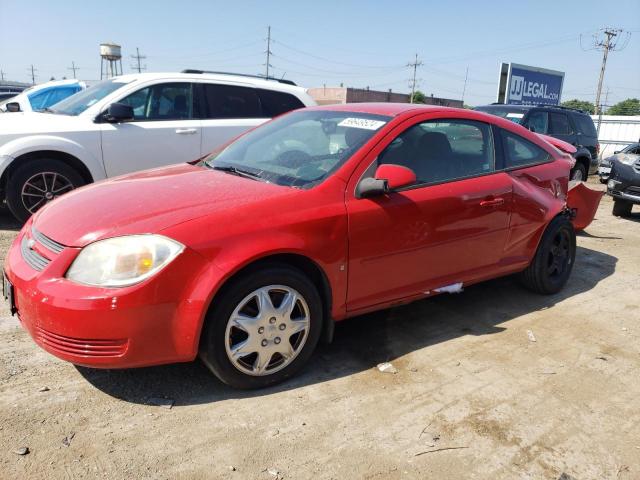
x,y
237,171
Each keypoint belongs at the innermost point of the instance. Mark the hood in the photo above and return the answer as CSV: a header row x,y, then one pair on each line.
x,y
559,144
33,123
148,202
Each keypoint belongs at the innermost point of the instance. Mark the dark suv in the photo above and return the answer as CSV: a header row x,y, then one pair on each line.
x,y
572,126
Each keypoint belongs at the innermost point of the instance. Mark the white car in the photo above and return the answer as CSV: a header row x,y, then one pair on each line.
x,y
131,123
42,96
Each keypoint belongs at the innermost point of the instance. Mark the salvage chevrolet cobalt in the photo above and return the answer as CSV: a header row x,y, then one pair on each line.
x,y
247,258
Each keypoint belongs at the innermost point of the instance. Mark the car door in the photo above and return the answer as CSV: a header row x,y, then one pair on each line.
x,y
228,111
164,130
447,228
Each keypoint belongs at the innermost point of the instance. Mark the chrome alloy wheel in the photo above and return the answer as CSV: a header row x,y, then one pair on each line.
x,y
43,187
267,330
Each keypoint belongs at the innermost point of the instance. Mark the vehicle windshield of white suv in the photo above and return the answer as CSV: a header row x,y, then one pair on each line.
x,y
300,149
78,103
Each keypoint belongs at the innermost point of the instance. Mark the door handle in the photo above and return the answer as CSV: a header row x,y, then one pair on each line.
x,y
494,202
186,131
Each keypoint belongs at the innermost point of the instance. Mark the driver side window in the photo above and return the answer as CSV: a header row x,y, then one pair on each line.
x,y
167,101
443,150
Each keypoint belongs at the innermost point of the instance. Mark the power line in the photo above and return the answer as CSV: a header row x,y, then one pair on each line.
x,y
137,57
324,59
415,66
74,68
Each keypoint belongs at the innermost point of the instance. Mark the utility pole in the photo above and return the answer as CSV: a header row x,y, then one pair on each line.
x,y
33,75
605,44
1,75
464,89
137,57
73,68
415,66
268,52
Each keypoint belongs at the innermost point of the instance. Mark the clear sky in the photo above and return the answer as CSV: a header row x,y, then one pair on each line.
x,y
358,43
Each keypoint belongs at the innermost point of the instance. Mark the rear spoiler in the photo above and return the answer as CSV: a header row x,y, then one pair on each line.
x,y
559,144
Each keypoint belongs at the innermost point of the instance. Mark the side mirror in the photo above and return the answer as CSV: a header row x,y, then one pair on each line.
x,y
13,107
388,177
119,112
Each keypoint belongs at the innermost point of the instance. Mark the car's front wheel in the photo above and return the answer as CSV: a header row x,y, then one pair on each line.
x,y
262,328
38,182
622,208
552,264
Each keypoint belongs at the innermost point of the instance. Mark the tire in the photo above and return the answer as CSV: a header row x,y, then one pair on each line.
x,y
622,208
551,266
48,176
578,172
239,299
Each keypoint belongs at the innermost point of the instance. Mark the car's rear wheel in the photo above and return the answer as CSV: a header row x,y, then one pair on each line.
x,y
262,328
622,208
38,182
551,266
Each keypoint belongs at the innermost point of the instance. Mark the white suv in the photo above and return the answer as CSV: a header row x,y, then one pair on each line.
x,y
130,123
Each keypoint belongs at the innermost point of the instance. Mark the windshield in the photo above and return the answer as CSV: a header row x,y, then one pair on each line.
x,y
509,114
300,149
78,103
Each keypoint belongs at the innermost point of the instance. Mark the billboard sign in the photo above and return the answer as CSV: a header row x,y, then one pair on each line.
x,y
524,85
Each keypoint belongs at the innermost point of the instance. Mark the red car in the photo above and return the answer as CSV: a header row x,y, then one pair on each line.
x,y
248,257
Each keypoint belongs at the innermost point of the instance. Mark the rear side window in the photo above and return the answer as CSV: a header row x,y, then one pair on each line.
x,y
538,122
277,103
585,125
559,124
231,101
519,151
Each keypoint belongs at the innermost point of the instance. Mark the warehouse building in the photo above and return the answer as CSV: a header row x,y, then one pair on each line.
x,y
333,95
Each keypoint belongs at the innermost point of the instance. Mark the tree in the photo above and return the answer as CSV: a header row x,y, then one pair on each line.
x,y
418,97
580,105
630,106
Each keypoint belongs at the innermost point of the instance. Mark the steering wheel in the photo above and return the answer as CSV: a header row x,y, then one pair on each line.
x,y
293,159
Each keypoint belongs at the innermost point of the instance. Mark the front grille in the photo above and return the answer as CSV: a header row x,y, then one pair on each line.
x,y
80,346
49,244
633,190
636,166
34,258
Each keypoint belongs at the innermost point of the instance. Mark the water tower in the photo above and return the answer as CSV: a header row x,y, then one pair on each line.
x,y
110,60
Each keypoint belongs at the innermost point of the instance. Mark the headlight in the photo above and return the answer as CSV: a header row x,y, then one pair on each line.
x,y
605,162
123,261
627,159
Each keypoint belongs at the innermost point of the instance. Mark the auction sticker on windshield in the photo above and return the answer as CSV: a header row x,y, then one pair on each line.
x,y
364,123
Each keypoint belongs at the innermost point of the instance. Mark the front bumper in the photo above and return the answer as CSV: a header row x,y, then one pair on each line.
x,y
624,183
155,322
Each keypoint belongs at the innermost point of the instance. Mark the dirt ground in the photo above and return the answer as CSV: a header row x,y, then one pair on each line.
x,y
474,396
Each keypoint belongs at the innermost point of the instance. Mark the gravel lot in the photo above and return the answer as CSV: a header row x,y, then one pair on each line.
x,y
474,396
